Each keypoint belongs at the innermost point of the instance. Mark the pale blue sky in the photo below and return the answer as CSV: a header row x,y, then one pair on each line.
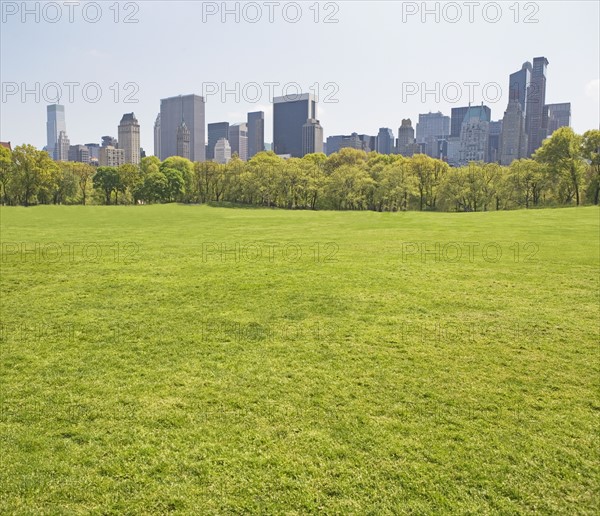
x,y
369,54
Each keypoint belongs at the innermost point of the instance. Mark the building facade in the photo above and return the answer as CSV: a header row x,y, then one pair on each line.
x,y
290,113
55,124
535,115
216,131
558,115
312,137
79,153
519,86
513,140
405,143
129,138
222,151
111,156
183,141
431,128
474,135
175,110
61,151
256,133
238,140
157,136
385,141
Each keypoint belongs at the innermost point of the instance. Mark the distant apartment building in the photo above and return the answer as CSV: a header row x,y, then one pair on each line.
x,y
222,151
129,138
216,131
175,110
385,141
256,133
353,141
79,153
238,140
312,137
110,156
290,113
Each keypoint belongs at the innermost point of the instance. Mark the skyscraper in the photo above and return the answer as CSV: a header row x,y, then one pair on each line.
x,y
157,136
290,113
174,110
431,128
238,140
559,115
183,141
474,135
535,118
312,137
385,141
129,138
406,139
519,86
79,153
513,139
216,131
493,152
457,116
61,151
55,123
256,133
222,151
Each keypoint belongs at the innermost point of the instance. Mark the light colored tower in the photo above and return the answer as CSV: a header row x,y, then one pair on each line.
x,y
129,138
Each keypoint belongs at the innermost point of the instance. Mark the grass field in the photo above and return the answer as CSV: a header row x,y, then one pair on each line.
x,y
191,359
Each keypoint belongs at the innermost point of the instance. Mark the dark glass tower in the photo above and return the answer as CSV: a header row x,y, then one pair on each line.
x,y
535,115
256,133
290,113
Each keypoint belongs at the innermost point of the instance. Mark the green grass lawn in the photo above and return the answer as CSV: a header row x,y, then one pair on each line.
x,y
201,360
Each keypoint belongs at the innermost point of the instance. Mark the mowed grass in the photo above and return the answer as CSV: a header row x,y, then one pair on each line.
x,y
202,360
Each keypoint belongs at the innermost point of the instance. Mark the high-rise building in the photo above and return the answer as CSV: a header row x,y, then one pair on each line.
x,y
312,137
431,128
111,156
216,131
222,151
559,115
174,110
535,113
385,141
405,144
493,152
55,123
513,140
183,140
238,140
79,153
474,135
290,113
457,116
129,138
109,141
157,136
256,133
519,86
94,150
61,151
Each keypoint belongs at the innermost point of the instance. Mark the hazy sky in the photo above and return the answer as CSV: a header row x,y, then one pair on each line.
x,y
376,61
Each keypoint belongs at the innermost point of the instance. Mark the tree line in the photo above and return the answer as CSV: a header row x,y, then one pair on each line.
x,y
564,171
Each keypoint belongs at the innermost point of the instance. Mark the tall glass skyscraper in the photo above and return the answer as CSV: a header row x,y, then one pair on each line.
x,y
256,133
173,112
535,115
290,113
216,131
519,85
55,124
385,141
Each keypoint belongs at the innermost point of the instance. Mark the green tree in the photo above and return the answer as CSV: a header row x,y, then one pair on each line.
x,y
108,181
591,152
33,170
6,173
562,153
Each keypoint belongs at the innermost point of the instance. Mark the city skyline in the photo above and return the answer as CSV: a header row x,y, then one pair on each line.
x,y
572,76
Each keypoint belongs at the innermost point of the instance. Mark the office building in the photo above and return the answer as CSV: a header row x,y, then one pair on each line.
x,y
222,151
312,137
558,115
493,152
405,144
519,86
129,138
157,136
183,141
55,124
385,141
513,140
238,140
474,135
175,110
290,113
256,133
535,115
431,128
61,150
216,131
79,153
